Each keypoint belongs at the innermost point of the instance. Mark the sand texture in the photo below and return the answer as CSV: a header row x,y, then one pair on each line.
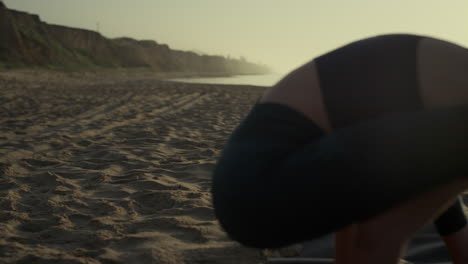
x,y
113,169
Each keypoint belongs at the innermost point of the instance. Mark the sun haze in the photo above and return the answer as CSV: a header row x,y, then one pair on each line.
x,y
281,34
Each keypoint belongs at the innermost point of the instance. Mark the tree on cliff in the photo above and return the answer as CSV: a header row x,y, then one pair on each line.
x,y
2,5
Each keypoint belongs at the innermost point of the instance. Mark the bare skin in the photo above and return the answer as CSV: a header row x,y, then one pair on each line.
x,y
443,82
457,245
301,91
383,239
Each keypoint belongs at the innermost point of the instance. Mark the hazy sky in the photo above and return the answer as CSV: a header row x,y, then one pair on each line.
x,y
280,33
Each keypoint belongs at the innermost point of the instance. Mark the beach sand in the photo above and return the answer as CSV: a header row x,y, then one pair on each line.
x,y
114,168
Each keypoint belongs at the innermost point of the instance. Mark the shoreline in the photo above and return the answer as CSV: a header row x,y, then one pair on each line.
x,y
36,77
129,72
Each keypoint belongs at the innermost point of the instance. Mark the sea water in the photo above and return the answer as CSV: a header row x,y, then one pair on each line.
x,y
257,80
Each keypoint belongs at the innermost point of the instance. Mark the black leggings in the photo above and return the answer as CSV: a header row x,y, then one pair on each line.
x,y
280,180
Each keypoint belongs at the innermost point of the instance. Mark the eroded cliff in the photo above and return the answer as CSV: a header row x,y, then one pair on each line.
x,y
26,41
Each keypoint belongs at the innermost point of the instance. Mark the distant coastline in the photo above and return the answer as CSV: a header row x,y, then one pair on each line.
x,y
29,43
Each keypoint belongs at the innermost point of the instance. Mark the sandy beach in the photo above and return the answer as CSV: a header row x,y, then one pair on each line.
x,y
114,168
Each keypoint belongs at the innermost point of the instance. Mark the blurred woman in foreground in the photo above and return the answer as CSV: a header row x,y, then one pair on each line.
x,y
369,141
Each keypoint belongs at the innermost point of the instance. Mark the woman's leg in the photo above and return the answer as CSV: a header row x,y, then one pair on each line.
x,y
383,239
345,240
351,176
452,227
457,245
363,171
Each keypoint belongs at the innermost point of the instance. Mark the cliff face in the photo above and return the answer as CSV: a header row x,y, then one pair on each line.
x,y
27,41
